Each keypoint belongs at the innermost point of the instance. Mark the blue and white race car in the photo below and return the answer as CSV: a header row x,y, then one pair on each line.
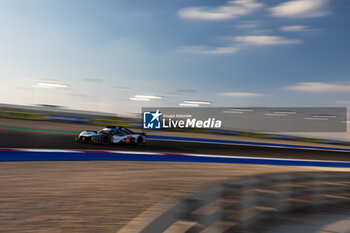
x,y
110,135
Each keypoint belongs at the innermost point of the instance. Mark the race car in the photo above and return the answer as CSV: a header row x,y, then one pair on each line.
x,y
111,135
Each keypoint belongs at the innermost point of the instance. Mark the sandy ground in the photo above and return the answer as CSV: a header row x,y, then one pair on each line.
x,y
101,196
331,220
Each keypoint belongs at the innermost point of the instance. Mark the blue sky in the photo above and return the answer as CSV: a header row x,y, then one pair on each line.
x,y
231,53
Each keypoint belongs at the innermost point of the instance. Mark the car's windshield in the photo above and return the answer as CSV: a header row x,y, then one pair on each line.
x,y
113,131
128,131
104,131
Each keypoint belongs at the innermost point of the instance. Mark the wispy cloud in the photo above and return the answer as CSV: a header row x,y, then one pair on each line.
x,y
345,102
240,41
240,94
319,87
298,28
301,9
232,10
208,51
294,28
248,24
262,31
264,40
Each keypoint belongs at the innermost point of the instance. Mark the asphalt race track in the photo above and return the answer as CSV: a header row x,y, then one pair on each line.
x,y
46,140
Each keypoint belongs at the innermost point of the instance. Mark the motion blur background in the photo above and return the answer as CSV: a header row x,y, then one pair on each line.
x,y
118,56
68,66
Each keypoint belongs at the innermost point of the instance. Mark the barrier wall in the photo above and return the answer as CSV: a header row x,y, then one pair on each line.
x,y
249,204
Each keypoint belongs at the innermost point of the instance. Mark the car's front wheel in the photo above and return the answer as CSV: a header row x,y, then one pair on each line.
x,y
105,139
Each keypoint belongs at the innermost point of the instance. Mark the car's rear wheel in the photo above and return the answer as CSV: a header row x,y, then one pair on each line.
x,y
140,141
105,139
